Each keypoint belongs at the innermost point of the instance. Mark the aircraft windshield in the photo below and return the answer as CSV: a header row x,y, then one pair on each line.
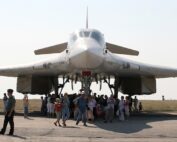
x,y
88,34
97,36
84,34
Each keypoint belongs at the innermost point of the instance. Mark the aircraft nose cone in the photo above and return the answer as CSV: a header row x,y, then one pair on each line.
x,y
89,56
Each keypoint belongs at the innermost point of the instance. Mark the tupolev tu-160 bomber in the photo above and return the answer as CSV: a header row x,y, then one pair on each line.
x,y
86,57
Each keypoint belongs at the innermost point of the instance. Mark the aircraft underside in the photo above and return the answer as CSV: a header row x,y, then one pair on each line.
x,y
40,84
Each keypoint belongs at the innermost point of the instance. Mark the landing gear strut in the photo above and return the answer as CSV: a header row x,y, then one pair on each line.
x,y
114,88
59,87
86,83
109,85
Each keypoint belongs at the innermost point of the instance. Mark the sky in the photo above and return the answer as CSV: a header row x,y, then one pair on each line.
x,y
149,26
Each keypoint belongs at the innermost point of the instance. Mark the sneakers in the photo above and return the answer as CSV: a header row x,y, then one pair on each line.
x,y
77,122
55,123
64,124
10,134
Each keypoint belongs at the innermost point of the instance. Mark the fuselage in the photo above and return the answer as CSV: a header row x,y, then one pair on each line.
x,y
86,48
86,51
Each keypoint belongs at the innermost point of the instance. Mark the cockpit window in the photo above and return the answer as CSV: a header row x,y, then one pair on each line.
x,y
84,34
97,36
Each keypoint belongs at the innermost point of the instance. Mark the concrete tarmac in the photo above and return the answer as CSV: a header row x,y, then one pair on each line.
x,y
159,127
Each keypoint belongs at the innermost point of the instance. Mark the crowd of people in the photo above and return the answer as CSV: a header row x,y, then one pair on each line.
x,y
88,108
79,106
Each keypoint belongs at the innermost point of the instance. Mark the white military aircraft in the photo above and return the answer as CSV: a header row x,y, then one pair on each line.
x,y
87,58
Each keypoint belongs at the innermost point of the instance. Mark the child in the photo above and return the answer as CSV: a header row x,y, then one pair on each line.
x,y
140,107
58,108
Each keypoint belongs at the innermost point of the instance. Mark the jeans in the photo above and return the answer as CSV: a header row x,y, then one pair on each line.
x,y
65,114
25,110
82,115
9,119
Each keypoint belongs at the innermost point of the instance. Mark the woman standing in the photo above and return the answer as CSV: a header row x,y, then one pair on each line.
x,y
5,101
25,105
122,109
65,109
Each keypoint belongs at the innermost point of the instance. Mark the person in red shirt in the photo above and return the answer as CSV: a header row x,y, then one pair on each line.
x,y
58,108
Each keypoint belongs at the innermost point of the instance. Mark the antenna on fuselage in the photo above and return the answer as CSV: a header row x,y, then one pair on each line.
x,y
87,19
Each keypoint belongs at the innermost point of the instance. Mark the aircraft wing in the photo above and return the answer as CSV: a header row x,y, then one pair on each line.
x,y
15,71
45,67
132,67
39,77
135,77
159,72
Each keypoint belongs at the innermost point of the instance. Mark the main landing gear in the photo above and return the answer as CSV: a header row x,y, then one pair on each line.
x,y
114,88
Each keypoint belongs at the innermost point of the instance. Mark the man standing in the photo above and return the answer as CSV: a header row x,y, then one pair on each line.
x,y
82,105
25,105
9,114
136,104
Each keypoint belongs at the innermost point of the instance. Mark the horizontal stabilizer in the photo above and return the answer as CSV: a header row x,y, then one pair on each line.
x,y
52,49
121,50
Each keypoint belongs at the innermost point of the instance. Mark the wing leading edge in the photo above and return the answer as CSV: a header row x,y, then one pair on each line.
x,y
133,67
159,72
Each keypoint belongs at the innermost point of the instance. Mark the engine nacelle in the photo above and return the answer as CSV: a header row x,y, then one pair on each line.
x,y
34,84
138,85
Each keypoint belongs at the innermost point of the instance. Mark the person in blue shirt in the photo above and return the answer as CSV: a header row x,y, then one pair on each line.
x,y
9,114
82,106
65,109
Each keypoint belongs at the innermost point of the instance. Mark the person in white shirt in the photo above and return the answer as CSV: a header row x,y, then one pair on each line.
x,y
127,111
91,105
121,109
25,105
5,101
109,110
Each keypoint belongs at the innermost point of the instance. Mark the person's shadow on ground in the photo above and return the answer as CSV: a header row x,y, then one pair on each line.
x,y
135,123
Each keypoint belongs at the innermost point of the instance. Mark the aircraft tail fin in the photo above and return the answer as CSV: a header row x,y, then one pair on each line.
x,y
121,50
52,49
87,18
